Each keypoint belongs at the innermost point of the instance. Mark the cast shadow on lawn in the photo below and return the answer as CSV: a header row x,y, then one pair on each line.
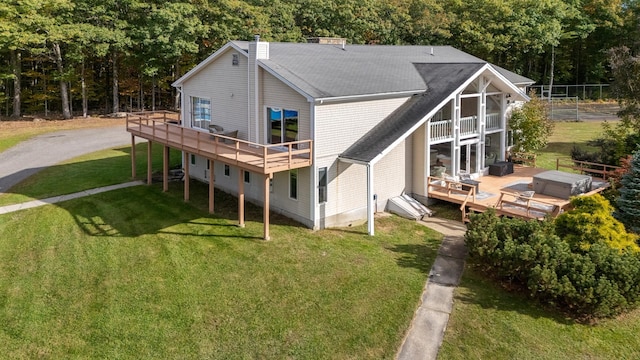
x,y
476,289
142,210
417,256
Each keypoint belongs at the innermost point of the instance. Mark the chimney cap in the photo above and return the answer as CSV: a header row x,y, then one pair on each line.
x,y
256,37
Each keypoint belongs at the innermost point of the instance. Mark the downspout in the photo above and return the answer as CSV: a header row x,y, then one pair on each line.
x,y
249,100
314,168
255,90
370,201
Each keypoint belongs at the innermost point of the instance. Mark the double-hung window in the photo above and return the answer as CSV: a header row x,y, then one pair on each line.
x,y
200,112
283,125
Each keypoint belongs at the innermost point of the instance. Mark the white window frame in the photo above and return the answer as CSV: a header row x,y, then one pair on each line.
x,y
297,181
206,117
283,138
323,185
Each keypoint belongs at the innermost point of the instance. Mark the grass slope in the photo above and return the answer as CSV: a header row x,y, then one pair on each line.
x,y
101,168
137,273
490,323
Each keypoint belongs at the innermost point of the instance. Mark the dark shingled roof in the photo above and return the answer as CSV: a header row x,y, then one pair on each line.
x,y
326,71
441,80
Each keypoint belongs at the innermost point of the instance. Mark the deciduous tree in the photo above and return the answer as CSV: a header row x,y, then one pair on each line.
x,y
531,126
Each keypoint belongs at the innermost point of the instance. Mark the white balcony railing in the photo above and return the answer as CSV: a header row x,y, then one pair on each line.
x,y
493,121
441,130
469,125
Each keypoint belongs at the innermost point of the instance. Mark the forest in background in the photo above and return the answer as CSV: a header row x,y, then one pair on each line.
x,y
77,57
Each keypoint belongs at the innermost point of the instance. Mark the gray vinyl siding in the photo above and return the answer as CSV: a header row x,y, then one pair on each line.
x,y
338,126
279,197
226,86
274,93
392,174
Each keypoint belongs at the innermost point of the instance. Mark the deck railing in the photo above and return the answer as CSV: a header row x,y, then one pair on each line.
x,y
164,128
493,122
441,130
469,125
588,168
526,207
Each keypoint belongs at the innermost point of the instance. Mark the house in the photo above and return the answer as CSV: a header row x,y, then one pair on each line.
x,y
365,123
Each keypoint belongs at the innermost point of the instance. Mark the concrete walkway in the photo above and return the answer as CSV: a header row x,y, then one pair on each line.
x,y
57,199
430,320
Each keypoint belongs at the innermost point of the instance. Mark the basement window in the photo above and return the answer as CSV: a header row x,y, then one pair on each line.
x,y
293,184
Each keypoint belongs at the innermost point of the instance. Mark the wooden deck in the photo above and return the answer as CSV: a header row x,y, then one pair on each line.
x,y
164,128
504,193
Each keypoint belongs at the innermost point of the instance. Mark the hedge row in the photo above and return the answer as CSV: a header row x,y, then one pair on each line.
x,y
590,283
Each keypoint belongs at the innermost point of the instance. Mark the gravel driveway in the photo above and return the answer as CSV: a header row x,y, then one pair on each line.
x,y
29,157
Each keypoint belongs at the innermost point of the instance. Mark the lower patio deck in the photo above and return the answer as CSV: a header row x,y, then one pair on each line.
x,y
508,194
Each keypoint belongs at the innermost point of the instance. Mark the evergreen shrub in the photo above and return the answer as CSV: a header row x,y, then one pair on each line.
x,y
599,281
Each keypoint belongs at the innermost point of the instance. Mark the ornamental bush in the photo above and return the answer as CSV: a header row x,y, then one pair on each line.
x,y
591,221
596,282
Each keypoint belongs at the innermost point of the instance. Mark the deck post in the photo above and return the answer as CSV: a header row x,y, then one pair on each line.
x,y
149,163
133,156
265,209
240,198
186,163
165,168
211,186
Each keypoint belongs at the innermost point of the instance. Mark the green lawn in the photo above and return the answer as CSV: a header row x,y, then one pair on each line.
x,y
137,273
565,136
101,168
489,323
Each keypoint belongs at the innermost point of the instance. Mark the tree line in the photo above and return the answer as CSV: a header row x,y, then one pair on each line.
x,y
75,57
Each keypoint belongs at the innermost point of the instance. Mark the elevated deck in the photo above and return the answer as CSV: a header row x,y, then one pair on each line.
x,y
508,195
164,128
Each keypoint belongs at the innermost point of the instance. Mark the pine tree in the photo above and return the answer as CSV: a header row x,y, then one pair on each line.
x,y
629,201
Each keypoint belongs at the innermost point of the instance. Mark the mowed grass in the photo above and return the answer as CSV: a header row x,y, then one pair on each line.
x,y
137,273
101,168
489,323
565,136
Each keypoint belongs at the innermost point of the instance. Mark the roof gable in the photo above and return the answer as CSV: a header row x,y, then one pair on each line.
x,y
241,47
443,80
